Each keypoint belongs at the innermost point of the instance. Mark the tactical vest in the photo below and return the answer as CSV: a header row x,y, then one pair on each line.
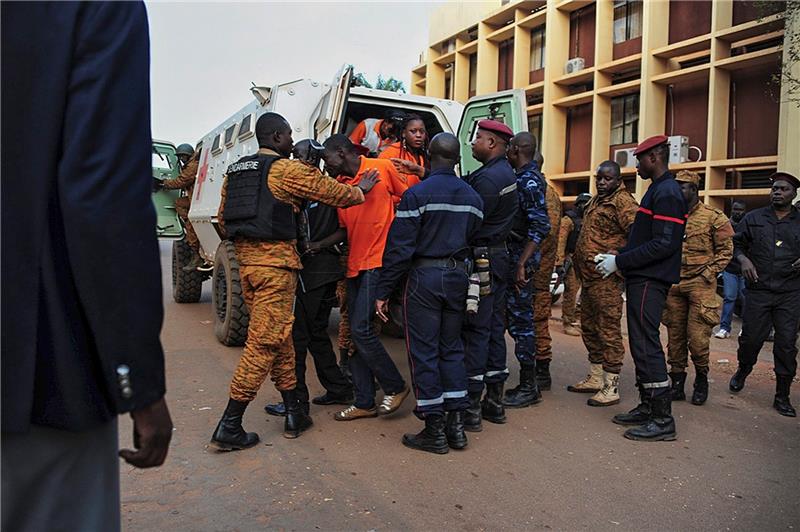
x,y
572,238
251,210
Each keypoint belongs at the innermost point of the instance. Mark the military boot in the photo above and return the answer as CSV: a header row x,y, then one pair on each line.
x,y
297,419
678,382
527,393
609,395
782,403
593,382
639,415
543,379
737,381
229,434
660,427
432,438
454,430
492,406
700,393
195,263
472,415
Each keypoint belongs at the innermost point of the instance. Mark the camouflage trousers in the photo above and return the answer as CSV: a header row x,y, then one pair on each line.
x,y
691,312
269,293
182,206
601,327
519,310
543,302
572,284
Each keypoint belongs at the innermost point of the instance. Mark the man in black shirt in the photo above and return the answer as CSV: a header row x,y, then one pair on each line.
x,y
732,278
767,247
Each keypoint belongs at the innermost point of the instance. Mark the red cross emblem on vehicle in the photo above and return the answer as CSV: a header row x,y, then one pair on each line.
x,y
201,175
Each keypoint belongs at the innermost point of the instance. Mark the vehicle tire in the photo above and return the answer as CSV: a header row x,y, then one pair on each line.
x,y
231,315
186,286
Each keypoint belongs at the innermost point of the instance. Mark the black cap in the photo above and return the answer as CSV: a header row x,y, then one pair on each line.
x,y
785,176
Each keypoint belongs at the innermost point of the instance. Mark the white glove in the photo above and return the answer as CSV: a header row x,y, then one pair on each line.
x,y
606,264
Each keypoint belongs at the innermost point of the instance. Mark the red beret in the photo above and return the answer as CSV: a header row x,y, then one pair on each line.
x,y
784,176
650,143
496,127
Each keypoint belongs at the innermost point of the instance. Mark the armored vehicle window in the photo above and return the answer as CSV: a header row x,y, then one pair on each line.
x,y
229,135
246,127
215,146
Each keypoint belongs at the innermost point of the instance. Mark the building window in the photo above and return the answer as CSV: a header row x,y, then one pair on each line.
x,y
537,48
448,46
448,83
625,119
535,128
473,74
627,20
505,65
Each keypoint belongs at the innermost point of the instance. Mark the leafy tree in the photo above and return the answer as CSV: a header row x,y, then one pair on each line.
x,y
384,84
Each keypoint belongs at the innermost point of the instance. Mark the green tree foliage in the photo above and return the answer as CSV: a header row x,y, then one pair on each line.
x,y
384,84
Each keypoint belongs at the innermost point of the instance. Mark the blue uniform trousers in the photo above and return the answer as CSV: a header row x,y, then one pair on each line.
x,y
434,302
519,308
645,301
484,333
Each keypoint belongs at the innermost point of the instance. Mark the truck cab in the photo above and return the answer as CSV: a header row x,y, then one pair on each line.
x,y
314,110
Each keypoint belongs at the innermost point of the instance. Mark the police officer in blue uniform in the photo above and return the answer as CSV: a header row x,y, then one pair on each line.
x,y
650,262
429,240
531,226
484,332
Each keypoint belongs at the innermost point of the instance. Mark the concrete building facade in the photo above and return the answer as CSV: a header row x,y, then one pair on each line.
x,y
599,76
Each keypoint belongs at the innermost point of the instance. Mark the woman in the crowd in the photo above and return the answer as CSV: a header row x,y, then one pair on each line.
x,y
412,147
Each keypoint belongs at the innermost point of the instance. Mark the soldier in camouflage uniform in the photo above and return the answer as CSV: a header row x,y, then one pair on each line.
x,y
189,161
531,226
606,221
692,308
567,239
264,234
542,300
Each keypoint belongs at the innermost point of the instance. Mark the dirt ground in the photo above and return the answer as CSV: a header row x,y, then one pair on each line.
x,y
558,465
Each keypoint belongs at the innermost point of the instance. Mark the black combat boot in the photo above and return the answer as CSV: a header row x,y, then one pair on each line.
x,y
297,418
472,415
276,409
229,434
432,438
454,430
781,403
737,381
492,405
639,415
543,380
527,393
660,427
700,393
678,381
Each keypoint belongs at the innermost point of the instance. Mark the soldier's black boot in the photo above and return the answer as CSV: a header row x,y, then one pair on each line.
x,y
543,379
660,427
527,393
782,403
454,430
229,434
678,382
492,406
275,409
639,415
737,381
472,415
700,393
297,418
432,438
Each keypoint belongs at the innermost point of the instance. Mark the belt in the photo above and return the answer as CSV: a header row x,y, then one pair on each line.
x,y
498,247
447,262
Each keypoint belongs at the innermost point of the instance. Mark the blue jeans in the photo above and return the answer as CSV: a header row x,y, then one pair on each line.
x,y
734,289
370,358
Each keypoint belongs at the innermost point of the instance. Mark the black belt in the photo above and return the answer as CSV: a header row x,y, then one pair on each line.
x,y
448,262
501,246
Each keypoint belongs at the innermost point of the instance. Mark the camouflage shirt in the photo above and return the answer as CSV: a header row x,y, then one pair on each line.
x,y
707,243
185,180
606,223
290,181
553,202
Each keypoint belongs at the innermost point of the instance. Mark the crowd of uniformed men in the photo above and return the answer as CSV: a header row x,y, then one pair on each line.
x,y
469,258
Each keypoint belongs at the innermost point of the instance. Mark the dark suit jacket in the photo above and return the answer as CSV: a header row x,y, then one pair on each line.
x,y
81,279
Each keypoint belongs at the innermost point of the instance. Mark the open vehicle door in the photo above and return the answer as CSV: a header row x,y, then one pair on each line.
x,y
507,107
335,105
165,166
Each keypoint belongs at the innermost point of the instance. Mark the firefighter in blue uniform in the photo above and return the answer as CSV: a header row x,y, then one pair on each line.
x,y
484,332
650,262
531,226
429,240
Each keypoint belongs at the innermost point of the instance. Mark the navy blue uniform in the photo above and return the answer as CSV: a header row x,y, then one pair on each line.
x,y
531,224
774,300
429,239
651,262
484,332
